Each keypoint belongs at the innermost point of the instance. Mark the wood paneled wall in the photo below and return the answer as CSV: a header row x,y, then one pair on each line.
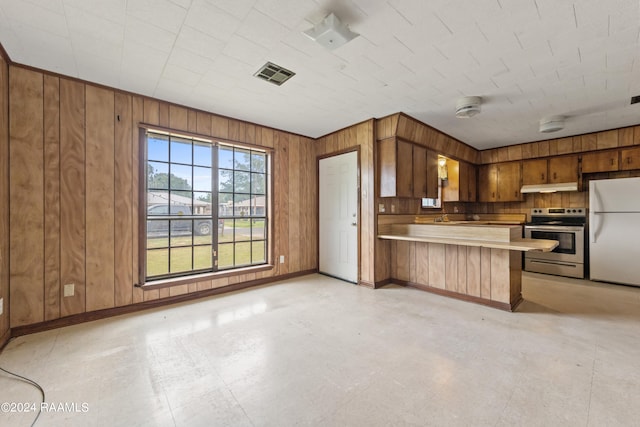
x,y
360,135
73,164
4,199
613,138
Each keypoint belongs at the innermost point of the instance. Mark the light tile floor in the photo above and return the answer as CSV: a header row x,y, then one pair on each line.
x,y
318,351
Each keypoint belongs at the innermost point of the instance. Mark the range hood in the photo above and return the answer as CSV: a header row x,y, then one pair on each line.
x,y
549,188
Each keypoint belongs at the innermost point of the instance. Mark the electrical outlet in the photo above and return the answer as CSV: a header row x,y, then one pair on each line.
x,y
69,289
1,306
381,208
281,259
393,208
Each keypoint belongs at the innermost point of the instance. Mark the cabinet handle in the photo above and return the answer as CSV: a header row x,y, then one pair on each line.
x,y
515,193
612,161
628,160
555,175
542,177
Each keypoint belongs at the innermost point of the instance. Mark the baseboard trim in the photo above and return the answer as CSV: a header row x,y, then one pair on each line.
x,y
145,305
366,284
468,298
381,283
4,339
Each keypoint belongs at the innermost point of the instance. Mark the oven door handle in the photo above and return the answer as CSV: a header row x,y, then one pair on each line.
x,y
565,264
556,228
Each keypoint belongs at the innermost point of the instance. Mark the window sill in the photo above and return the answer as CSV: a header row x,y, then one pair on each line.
x,y
166,283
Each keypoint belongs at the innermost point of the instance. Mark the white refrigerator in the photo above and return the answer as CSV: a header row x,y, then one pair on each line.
x,y
614,230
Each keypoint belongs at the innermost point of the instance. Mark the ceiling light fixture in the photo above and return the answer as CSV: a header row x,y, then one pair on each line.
x,y
331,32
552,124
468,106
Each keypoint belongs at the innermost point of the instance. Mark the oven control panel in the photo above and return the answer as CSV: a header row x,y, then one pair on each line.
x,y
559,211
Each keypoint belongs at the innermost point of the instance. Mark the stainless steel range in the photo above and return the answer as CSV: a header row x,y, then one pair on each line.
x,y
566,225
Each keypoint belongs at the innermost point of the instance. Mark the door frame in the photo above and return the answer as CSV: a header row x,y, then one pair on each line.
x,y
358,185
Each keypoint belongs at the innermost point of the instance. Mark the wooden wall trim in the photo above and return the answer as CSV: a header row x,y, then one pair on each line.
x,y
117,311
462,297
437,130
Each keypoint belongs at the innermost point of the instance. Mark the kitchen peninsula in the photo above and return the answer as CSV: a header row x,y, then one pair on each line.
x,y
470,260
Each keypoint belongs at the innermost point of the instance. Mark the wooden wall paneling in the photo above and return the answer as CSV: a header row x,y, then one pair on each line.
x,y
309,228
473,271
267,137
294,202
589,142
529,150
543,148
565,145
514,152
553,147
281,202
451,268
436,257
151,111
100,211
219,126
387,126
422,263
462,269
4,196
252,133
51,197
178,290
625,136
204,285
367,202
393,265
500,275
124,194
137,116
515,276
636,135
485,273
607,139
403,262
178,118
193,121
503,154
26,230
242,278
203,123
577,144
72,194
164,119
236,131
219,283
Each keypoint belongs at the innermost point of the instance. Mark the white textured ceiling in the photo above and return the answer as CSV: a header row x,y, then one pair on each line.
x,y
526,58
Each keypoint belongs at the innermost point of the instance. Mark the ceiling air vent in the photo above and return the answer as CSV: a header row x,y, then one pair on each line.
x,y
274,73
635,99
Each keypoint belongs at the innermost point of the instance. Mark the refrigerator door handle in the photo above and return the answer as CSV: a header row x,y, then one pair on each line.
x,y
597,201
596,225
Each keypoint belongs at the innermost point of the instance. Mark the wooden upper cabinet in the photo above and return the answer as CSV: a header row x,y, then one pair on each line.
x,y
509,181
419,172
563,169
488,183
451,186
404,170
630,159
534,172
432,174
467,182
602,161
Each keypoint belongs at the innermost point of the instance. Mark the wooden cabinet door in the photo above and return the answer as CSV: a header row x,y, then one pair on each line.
x,y
451,186
467,179
432,174
419,172
387,167
509,182
534,172
404,168
488,183
630,159
605,161
563,169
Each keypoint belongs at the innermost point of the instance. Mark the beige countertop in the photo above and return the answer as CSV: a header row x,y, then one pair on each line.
x,y
462,233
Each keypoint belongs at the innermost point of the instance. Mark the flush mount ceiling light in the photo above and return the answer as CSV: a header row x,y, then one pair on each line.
x,y
468,106
552,124
331,33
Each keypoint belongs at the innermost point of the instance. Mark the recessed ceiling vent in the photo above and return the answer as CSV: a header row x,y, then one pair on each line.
x,y
274,73
635,99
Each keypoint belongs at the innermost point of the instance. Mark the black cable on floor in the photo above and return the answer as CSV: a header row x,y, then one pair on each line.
x,y
33,383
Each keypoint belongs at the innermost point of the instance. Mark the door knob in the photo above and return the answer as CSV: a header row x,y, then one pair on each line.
x,y
354,224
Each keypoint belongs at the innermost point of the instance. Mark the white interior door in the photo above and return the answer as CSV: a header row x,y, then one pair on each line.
x,y
339,216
